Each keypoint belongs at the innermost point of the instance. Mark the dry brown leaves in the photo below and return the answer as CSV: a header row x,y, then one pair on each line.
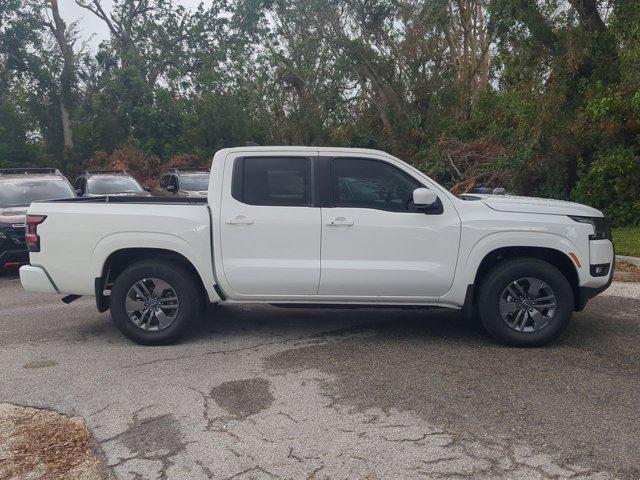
x,y
146,169
625,272
41,444
472,163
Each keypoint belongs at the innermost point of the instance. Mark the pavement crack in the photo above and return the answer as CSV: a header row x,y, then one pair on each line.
x,y
286,415
315,336
294,456
406,440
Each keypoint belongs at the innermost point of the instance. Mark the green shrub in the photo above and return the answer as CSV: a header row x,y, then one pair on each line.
x,y
612,184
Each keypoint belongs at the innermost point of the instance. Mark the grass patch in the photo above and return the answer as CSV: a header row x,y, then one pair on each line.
x,y
627,241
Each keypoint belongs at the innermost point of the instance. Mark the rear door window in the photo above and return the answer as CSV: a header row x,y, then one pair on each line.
x,y
276,181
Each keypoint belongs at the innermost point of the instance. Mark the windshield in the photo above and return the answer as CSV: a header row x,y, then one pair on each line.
x,y
194,183
105,185
23,192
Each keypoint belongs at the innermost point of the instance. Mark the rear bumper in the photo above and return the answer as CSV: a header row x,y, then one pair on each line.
x,y
35,279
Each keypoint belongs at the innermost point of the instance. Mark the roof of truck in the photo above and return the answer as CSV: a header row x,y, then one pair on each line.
x,y
302,149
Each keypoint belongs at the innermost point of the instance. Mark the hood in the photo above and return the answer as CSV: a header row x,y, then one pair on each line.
x,y
511,203
13,215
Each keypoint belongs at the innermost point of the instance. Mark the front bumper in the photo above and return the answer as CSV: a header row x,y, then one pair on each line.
x,y
35,279
587,293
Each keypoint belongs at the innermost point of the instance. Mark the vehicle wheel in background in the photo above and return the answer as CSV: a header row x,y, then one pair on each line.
x,y
155,302
525,302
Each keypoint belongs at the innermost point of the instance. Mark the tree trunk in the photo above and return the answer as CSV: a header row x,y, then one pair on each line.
x,y
59,30
469,40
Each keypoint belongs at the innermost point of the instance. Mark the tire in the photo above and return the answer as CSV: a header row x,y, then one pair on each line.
x,y
127,291
510,313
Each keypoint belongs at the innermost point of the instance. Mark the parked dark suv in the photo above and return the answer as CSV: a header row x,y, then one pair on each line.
x,y
18,188
95,183
185,182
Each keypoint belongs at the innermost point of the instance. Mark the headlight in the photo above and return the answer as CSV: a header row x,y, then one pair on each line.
x,y
601,226
3,235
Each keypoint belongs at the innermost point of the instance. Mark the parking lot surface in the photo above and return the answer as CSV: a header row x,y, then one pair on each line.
x,y
261,392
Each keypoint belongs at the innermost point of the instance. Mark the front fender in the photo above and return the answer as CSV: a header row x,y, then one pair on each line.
x,y
469,264
499,240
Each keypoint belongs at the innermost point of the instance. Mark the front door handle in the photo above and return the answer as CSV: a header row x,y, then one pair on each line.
x,y
340,222
239,220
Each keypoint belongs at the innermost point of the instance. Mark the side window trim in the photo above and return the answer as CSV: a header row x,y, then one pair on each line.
x,y
237,178
333,179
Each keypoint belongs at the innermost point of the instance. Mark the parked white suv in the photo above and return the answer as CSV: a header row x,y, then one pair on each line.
x,y
301,225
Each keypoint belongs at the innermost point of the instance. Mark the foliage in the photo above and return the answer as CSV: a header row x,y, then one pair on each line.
x,y
542,97
627,241
612,184
129,158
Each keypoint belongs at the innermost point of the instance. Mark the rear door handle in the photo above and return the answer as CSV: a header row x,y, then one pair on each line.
x,y
339,221
239,220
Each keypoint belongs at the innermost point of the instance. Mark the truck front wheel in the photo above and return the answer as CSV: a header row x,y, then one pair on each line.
x,y
525,302
154,302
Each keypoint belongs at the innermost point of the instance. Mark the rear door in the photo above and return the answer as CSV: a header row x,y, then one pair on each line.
x,y
270,232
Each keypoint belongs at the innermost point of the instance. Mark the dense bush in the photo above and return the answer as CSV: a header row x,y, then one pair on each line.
x,y
612,184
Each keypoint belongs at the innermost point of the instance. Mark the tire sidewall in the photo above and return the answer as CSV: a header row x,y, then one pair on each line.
x,y
509,271
179,279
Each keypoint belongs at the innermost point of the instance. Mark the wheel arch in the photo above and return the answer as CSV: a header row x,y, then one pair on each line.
x,y
555,257
139,245
120,259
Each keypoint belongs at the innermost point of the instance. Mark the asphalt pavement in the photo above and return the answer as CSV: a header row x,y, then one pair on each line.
x,y
262,392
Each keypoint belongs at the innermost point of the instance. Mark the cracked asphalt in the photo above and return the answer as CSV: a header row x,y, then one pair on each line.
x,y
262,392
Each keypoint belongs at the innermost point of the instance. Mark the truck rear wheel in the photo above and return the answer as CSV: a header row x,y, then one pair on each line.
x,y
525,302
154,302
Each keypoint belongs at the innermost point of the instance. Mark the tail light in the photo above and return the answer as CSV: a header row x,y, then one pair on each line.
x,y
32,238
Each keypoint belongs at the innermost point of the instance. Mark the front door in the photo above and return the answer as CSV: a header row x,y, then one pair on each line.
x,y
375,243
269,229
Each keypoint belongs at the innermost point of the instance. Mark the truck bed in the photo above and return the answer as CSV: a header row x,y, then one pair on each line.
x,y
79,234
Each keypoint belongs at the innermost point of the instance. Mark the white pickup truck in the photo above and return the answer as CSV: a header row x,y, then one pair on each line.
x,y
302,225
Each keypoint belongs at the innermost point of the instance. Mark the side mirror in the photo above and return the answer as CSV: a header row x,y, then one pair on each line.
x,y
78,191
146,189
171,188
424,198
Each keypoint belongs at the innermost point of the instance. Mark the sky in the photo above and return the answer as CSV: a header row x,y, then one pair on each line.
x,y
92,29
